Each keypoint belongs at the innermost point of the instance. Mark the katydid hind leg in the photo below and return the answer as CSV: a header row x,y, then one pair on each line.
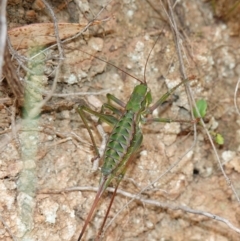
x,y
83,117
94,205
122,172
107,213
106,118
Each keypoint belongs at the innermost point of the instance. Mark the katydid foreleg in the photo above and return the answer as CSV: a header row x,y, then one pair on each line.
x,y
111,98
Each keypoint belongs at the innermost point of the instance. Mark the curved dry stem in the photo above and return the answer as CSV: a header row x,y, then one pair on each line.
x,y
155,203
79,34
3,31
8,229
36,109
190,96
235,97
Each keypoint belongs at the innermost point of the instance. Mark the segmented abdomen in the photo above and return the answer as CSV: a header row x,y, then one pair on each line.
x,y
118,143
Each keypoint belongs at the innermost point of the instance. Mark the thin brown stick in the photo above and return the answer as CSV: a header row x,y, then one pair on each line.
x,y
229,182
36,109
235,97
3,31
7,228
91,23
168,205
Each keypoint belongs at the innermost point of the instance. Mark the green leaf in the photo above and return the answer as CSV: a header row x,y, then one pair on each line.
x,y
219,139
202,108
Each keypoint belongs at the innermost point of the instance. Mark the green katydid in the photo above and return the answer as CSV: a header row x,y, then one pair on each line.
x,y
125,138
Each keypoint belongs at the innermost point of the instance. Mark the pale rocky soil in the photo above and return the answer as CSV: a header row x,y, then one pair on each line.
x,y
62,155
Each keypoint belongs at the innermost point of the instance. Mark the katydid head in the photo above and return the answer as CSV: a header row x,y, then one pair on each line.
x,y
139,99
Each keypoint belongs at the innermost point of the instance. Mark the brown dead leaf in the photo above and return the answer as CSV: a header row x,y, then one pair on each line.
x,y
41,34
